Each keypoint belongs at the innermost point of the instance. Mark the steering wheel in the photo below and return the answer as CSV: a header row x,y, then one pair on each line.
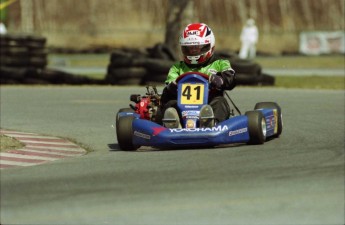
x,y
191,73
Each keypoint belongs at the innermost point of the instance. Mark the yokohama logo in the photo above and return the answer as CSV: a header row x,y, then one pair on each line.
x,y
204,129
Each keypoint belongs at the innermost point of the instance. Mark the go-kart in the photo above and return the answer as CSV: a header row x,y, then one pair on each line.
x,y
137,126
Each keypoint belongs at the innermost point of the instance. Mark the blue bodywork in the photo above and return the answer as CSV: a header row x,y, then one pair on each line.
x,y
233,130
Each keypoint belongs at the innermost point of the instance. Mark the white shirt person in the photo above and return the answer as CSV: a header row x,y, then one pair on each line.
x,y
249,37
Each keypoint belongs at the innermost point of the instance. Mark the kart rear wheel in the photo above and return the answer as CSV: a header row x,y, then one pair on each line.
x,y
256,127
124,133
272,105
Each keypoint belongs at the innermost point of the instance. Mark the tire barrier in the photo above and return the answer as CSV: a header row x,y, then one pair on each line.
x,y
23,60
247,71
23,51
139,67
151,66
45,76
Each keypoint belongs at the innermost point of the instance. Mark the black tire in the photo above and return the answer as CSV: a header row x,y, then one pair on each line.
x,y
17,51
34,81
272,105
124,133
162,51
130,81
155,79
38,62
36,41
17,39
246,79
121,62
17,61
131,72
266,80
8,81
225,54
124,76
39,52
122,110
158,65
256,127
13,73
246,67
119,54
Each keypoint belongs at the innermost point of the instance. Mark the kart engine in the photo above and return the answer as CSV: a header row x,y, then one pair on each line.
x,y
147,106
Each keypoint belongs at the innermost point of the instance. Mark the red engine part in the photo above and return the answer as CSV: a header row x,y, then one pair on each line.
x,y
142,108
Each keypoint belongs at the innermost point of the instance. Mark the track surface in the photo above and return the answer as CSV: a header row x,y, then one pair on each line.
x,y
296,179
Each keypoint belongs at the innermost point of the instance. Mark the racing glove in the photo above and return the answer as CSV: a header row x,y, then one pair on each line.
x,y
216,81
172,87
229,78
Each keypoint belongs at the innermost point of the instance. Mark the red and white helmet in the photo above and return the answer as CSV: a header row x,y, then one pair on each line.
x,y
197,43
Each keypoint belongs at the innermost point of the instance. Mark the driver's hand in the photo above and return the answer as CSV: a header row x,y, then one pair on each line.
x,y
228,73
172,87
216,81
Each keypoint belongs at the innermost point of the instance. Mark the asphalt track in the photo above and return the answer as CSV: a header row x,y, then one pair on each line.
x,y
296,179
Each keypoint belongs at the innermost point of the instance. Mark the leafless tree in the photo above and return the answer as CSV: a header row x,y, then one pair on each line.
x,y
180,13
27,17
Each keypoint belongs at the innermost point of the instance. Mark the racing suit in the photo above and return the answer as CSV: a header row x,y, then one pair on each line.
x,y
214,67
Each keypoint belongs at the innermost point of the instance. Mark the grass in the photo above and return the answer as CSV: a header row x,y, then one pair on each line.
x,y
302,62
311,82
80,60
276,62
8,143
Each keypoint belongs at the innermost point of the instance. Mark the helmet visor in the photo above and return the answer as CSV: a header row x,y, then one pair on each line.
x,y
194,50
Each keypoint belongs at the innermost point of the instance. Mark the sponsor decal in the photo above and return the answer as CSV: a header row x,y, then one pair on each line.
x,y
239,131
190,124
192,43
191,117
203,129
191,106
271,122
190,113
142,135
158,130
193,32
212,71
275,115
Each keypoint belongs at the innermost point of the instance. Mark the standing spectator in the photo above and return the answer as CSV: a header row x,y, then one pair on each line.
x,y
249,38
3,29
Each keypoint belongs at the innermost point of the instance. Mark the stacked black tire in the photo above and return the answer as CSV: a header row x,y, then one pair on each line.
x,y
21,56
247,72
151,66
23,60
140,67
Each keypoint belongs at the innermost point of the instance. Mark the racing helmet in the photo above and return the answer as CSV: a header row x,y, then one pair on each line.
x,y
197,44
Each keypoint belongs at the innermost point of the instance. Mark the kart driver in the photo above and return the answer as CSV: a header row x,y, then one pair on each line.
x,y
197,45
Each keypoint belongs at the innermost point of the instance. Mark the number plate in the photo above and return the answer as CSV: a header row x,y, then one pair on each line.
x,y
192,94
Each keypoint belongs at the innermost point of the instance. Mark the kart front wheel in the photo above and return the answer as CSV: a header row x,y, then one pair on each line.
x,y
124,133
256,127
274,106
122,110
